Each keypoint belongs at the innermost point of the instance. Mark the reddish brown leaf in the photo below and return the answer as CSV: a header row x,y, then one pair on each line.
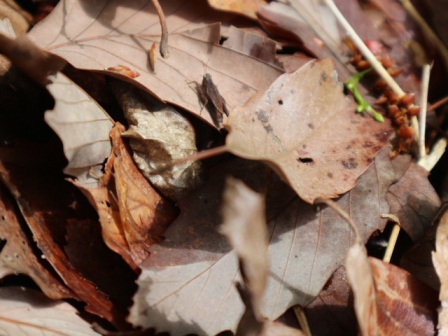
x,y
306,129
144,214
194,265
16,255
388,300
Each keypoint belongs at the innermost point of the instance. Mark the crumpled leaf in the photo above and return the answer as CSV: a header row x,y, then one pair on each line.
x,y
440,258
414,201
388,300
16,254
83,127
304,126
194,266
26,312
103,281
158,136
113,39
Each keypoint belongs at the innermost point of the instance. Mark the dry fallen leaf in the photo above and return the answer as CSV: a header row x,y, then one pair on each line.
x,y
194,265
113,39
83,127
16,255
158,136
246,7
304,125
144,214
26,312
388,300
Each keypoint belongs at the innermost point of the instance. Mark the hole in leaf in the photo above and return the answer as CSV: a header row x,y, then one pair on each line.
x,y
305,160
2,244
280,102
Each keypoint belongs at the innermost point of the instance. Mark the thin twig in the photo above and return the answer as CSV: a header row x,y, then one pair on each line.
x,y
440,46
164,49
423,106
392,242
437,104
430,160
376,65
341,212
301,317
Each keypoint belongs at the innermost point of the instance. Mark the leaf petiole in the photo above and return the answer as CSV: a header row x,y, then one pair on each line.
x,y
363,106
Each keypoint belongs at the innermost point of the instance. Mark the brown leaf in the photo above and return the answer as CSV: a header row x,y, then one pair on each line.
x,y
110,39
305,128
144,214
30,59
50,205
27,312
194,265
332,313
159,135
414,201
19,19
388,300
16,255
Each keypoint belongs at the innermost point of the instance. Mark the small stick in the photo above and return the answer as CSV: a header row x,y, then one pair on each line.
x,y
301,317
429,161
409,7
392,242
423,108
437,104
376,65
164,49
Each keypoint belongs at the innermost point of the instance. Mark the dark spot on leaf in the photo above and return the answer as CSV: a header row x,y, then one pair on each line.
x,y
3,217
264,118
311,126
304,146
382,136
348,147
330,175
323,77
108,204
280,102
350,163
2,244
377,148
367,144
306,160
369,160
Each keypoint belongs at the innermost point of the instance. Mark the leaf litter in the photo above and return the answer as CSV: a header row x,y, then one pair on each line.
x,y
195,265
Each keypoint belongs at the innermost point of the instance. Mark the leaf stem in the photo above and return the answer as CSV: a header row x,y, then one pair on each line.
x,y
423,108
164,49
376,65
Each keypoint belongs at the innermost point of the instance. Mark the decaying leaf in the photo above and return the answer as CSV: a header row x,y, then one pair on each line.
x,y
388,300
440,260
194,265
16,254
114,38
144,214
89,278
304,125
25,312
83,127
245,7
159,135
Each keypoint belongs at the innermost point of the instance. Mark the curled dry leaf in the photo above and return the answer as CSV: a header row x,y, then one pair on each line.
x,y
16,255
83,127
304,125
144,214
25,312
388,300
30,59
104,35
440,260
246,7
194,265
159,135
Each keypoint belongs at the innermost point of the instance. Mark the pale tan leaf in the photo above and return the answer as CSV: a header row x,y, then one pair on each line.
x,y
306,129
246,7
83,127
25,312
